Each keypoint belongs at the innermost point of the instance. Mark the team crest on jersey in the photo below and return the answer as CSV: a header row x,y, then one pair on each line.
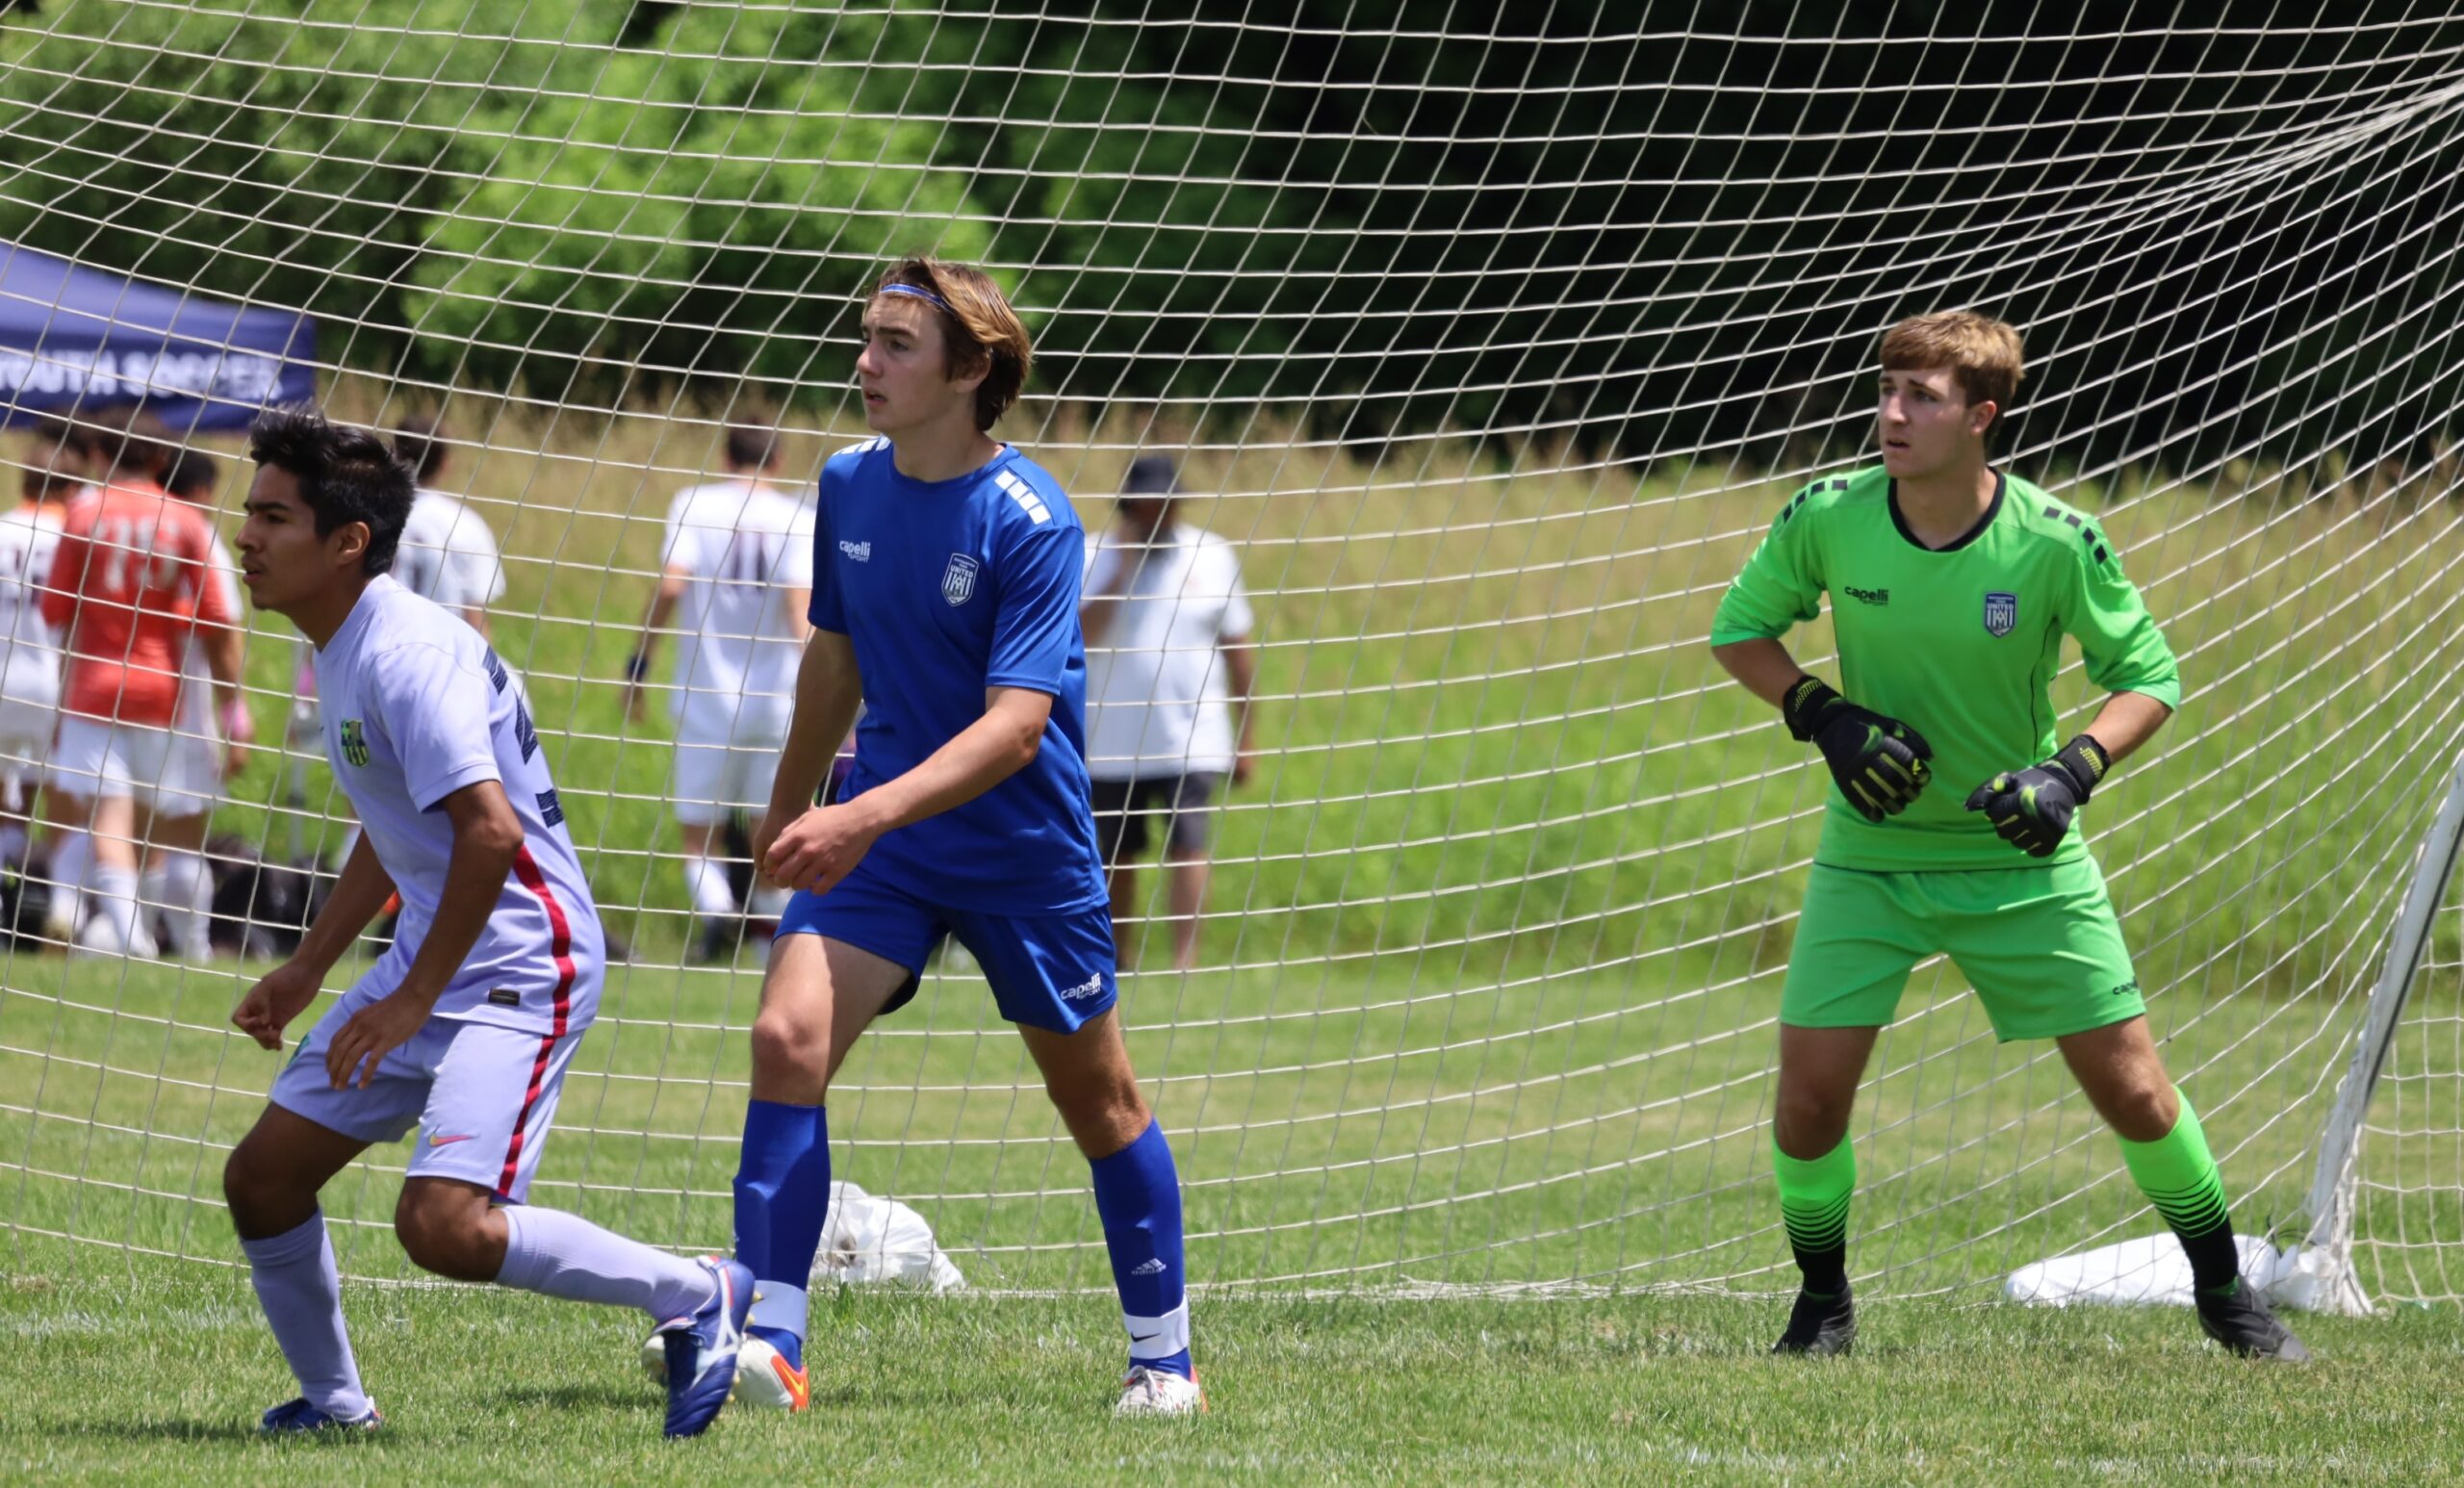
x,y
958,581
2001,613
354,742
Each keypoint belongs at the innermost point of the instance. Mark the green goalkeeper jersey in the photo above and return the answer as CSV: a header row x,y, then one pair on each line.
x,y
1961,643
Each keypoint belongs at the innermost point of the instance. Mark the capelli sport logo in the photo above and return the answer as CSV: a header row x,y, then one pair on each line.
x,y
354,743
862,553
1868,596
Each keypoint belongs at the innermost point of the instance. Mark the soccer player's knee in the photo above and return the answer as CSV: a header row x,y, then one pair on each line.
x,y
1104,1115
787,1041
2142,1111
449,1241
1810,1119
250,1186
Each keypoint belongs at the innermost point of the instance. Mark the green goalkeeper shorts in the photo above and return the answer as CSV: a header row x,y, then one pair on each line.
x,y
2041,945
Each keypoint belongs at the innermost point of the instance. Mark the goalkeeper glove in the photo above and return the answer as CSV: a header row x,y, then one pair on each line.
x,y
2032,809
1881,763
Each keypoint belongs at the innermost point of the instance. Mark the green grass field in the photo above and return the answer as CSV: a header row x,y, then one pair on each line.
x,y
1488,981
157,1380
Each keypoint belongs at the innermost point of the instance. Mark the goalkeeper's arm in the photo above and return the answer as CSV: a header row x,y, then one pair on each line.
x,y
1881,763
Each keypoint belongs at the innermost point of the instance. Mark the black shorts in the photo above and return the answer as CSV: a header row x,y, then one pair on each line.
x,y
1125,807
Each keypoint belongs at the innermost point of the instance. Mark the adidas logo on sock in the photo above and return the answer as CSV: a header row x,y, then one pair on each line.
x,y
1150,1267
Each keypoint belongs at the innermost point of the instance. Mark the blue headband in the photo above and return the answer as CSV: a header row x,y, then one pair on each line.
x,y
927,295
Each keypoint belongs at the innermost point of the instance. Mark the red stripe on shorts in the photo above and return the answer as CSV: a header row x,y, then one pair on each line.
x,y
560,945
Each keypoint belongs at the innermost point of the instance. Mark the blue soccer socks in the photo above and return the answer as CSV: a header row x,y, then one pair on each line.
x,y
1138,1194
782,1195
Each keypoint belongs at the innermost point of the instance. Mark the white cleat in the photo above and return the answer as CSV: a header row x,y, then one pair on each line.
x,y
1147,1392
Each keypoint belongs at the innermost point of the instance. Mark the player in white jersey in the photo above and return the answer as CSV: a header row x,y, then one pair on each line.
x,y
447,553
205,750
736,579
29,651
464,1027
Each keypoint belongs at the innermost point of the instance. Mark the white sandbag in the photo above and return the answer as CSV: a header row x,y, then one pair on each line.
x,y
2153,1271
880,1242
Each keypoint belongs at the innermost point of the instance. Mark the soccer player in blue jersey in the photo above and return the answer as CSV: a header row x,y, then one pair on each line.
x,y
464,1027
945,595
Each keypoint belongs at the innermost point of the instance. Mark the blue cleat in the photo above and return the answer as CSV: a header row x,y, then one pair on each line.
x,y
702,1349
298,1416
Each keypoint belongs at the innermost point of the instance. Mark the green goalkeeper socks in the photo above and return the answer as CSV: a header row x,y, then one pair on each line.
x,y
1813,1205
2178,1175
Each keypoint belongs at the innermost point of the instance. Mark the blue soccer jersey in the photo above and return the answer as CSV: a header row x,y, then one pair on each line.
x,y
946,588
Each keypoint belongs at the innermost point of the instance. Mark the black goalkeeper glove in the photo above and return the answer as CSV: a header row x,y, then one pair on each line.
x,y
1881,763
2032,809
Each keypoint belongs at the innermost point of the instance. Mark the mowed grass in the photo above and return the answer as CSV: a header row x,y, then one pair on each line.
x,y
158,1377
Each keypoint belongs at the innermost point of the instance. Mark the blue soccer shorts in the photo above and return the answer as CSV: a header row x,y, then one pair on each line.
x,y
1050,971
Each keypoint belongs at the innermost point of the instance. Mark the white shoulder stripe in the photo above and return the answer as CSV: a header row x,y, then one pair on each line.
x,y
1024,495
865,447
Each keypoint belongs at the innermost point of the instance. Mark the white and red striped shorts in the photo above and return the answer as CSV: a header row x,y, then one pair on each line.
x,y
480,1095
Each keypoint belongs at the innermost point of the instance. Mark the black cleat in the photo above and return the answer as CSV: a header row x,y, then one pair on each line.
x,y
1820,1326
2241,1321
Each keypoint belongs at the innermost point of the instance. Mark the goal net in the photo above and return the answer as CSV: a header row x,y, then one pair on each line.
x,y
1490,344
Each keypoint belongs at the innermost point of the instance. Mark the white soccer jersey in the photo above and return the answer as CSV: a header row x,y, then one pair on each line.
x,y
447,555
741,545
195,719
1158,698
30,668
417,706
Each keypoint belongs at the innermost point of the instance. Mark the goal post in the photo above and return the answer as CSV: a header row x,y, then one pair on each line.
x,y
1489,342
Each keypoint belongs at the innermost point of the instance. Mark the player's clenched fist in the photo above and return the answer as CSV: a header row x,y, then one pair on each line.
x,y
279,996
1881,765
2031,809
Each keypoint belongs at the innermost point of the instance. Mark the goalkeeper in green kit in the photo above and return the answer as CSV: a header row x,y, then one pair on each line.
x,y
1953,828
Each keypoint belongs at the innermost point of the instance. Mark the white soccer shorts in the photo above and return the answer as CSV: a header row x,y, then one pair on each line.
x,y
94,760
721,769
480,1096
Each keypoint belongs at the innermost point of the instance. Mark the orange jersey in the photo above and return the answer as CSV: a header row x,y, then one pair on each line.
x,y
129,583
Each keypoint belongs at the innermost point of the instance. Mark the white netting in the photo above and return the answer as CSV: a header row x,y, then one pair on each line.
x,y
1492,346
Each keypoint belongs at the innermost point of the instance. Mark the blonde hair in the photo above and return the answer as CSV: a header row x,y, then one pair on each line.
x,y
979,331
1982,352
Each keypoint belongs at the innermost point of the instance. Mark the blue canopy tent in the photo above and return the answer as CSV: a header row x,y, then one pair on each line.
x,y
72,336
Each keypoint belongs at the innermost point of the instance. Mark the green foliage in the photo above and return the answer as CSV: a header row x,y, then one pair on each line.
x,y
648,218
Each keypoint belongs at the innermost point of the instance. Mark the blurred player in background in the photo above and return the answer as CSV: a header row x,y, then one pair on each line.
x,y
464,1028
735,577
448,555
1168,658
204,751
131,583
946,578
51,472
1952,585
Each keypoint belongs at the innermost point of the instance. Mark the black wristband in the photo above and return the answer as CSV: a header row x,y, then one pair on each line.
x,y
636,667
1804,704
2085,762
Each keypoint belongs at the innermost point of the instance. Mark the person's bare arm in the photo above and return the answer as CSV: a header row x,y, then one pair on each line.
x,y
1240,673
487,841
2127,721
664,599
828,689
1763,667
824,845
280,994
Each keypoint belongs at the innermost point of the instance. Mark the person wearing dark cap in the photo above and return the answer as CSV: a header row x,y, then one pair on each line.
x,y
1169,655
